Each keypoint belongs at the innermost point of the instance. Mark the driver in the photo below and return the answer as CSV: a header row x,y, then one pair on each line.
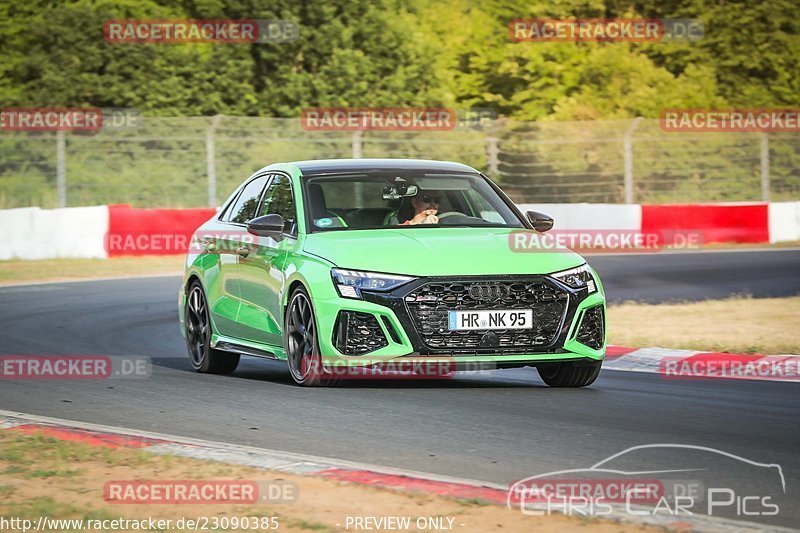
x,y
421,209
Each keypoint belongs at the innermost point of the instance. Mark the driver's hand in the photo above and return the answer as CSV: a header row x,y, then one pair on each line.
x,y
426,217
430,217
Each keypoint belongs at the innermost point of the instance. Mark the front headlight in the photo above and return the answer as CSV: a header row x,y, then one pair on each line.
x,y
577,278
350,283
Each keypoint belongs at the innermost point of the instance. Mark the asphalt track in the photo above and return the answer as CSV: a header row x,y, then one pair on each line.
x,y
496,427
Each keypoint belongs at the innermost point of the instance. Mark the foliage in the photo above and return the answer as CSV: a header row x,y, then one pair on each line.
x,y
400,52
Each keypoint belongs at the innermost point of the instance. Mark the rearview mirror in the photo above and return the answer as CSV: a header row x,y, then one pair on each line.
x,y
540,221
266,226
395,192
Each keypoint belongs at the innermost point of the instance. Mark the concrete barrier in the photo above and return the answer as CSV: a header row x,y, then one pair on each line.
x,y
34,233
590,216
784,221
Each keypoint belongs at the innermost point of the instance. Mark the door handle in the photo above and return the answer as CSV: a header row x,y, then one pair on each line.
x,y
243,251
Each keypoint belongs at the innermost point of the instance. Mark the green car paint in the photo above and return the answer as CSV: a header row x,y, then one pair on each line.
x,y
247,295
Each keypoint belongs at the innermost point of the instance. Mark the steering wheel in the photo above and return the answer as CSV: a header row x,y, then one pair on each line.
x,y
449,214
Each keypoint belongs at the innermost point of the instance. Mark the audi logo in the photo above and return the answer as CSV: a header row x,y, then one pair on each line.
x,y
488,293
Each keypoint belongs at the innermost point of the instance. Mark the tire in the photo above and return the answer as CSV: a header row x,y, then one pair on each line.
x,y
301,343
569,374
197,326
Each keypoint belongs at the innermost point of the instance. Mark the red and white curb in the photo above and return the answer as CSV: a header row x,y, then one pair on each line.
x,y
690,364
308,465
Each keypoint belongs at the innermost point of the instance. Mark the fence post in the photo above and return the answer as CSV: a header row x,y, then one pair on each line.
x,y
764,166
211,161
628,156
492,155
358,139
357,146
61,168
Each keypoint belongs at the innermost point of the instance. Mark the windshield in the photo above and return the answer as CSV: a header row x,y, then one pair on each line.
x,y
401,200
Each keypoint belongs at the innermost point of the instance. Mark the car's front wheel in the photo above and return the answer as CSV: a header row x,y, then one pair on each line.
x,y
569,374
300,340
197,322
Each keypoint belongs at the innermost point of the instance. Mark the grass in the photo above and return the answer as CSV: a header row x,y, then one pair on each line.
x,y
740,325
52,473
18,271
470,502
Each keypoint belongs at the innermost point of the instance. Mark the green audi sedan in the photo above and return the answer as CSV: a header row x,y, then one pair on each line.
x,y
340,267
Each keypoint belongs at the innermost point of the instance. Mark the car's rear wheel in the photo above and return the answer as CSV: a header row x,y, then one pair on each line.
x,y
569,374
300,341
197,323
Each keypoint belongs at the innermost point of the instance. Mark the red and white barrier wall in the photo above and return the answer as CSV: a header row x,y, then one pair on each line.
x,y
120,230
715,223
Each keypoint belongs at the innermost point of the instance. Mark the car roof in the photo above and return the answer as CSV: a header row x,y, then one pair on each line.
x,y
330,166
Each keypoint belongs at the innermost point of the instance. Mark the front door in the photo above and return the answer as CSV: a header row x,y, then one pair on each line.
x,y
223,243
261,272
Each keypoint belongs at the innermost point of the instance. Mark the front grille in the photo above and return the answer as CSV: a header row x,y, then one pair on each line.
x,y
356,333
429,306
591,331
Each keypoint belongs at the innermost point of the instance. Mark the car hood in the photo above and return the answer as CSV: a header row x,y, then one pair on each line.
x,y
437,252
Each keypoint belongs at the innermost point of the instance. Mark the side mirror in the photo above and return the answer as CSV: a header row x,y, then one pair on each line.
x,y
266,226
540,221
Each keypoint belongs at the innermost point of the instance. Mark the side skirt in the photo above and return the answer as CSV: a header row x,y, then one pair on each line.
x,y
243,347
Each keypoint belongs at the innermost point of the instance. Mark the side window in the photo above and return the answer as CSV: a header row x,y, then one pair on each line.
x,y
279,200
245,206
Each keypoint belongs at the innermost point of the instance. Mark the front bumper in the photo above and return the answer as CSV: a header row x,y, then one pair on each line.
x,y
570,325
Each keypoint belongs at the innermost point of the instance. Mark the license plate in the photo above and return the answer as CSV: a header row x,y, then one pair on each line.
x,y
494,319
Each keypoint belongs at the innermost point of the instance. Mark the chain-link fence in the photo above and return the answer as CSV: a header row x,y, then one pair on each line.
x,y
197,161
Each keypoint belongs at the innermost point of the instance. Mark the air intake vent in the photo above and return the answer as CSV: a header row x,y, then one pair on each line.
x,y
356,333
592,328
